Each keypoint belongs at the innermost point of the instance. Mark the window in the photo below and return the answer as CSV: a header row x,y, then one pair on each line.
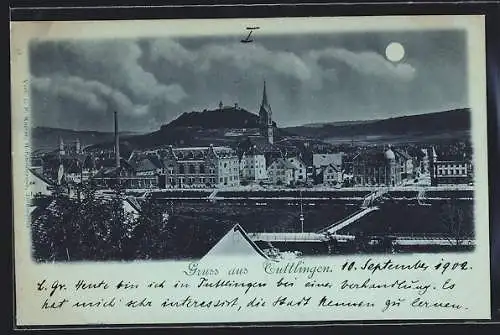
x,y
181,169
221,180
225,165
202,168
191,169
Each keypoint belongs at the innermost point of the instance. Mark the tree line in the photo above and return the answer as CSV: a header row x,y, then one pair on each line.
x,y
91,227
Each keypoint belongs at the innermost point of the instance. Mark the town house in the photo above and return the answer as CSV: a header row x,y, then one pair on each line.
x,y
300,175
200,167
281,172
253,165
332,175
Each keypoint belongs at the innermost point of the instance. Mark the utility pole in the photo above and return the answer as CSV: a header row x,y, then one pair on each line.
x,y
301,214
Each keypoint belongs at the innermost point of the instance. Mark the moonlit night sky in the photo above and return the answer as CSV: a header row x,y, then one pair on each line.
x,y
310,78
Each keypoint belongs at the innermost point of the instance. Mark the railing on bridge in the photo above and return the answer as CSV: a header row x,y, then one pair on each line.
x,y
213,194
298,237
347,220
324,230
370,198
433,241
288,237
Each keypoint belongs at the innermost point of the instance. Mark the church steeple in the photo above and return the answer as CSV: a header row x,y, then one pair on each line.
x,y
266,106
265,117
264,96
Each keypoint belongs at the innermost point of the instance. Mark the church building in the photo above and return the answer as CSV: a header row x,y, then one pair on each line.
x,y
374,167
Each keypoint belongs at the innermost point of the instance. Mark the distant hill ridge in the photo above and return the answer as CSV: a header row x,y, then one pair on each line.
x,y
47,139
41,130
452,120
336,123
210,126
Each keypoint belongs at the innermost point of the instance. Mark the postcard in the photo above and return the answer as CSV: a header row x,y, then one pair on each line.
x,y
250,171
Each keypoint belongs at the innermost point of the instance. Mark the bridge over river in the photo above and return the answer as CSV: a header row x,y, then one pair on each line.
x,y
330,232
333,228
367,201
366,195
405,241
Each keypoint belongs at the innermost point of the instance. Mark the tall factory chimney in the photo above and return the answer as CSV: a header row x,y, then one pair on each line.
x,y
117,142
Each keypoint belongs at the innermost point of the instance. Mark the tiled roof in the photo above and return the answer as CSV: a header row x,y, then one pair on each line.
x,y
42,177
156,161
326,159
451,157
40,205
402,153
333,166
222,152
296,159
283,163
235,242
107,172
253,150
372,155
110,163
146,163
199,153
263,145
134,203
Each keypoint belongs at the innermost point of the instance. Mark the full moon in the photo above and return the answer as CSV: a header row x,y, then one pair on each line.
x,y
395,52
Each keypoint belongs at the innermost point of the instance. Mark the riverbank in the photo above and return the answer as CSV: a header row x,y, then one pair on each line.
x,y
256,188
